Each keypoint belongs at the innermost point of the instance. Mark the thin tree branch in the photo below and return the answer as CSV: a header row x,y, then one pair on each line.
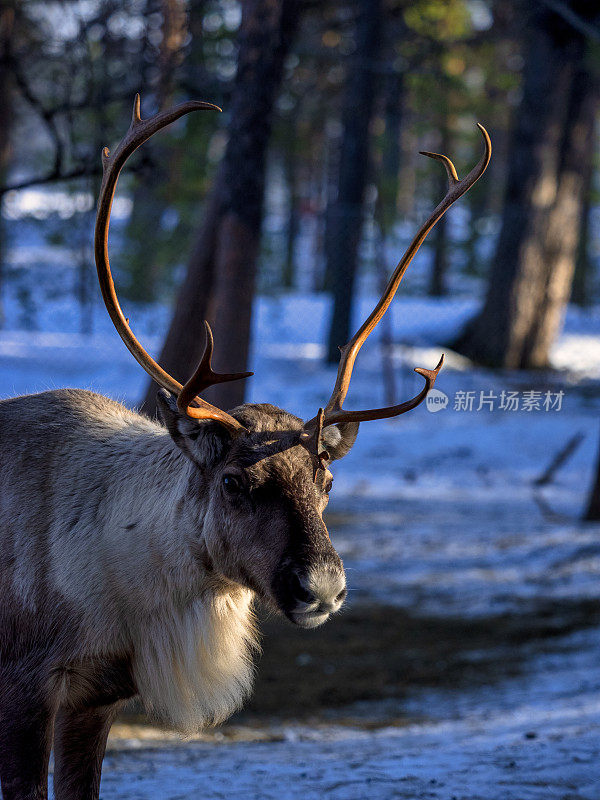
x,y
581,25
81,171
39,108
55,176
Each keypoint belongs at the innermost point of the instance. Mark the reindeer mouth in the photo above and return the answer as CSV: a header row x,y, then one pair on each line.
x,y
308,619
310,600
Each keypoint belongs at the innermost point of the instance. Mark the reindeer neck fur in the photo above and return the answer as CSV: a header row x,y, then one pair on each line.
x,y
193,633
126,556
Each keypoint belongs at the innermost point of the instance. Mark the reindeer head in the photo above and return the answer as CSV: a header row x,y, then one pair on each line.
x,y
262,473
260,511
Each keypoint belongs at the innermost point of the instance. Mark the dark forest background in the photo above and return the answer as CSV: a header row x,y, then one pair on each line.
x,y
326,105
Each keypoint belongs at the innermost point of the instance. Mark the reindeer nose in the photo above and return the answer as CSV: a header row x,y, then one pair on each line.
x,y
319,591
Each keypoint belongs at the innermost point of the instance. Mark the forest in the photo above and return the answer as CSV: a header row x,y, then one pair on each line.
x,y
470,534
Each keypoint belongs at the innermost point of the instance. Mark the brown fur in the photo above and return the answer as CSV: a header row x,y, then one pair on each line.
x,y
129,567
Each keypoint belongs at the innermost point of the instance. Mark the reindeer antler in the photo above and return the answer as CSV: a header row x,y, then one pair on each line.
x,y
139,132
333,412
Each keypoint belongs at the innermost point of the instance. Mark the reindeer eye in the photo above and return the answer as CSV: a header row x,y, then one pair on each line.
x,y
231,484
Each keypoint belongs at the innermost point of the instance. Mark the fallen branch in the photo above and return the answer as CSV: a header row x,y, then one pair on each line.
x,y
559,459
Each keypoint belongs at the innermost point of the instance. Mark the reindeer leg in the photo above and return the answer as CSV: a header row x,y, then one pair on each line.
x,y
26,721
79,743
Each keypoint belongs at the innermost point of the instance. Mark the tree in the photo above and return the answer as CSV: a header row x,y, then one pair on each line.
x,y
593,508
583,262
142,251
437,284
344,213
6,24
220,279
290,164
533,265
387,163
65,87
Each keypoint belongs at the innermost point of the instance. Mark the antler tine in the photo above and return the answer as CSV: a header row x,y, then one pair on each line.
x,y
311,441
333,410
310,438
337,416
456,189
139,132
203,377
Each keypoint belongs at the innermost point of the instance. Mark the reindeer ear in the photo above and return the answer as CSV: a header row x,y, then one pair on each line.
x,y
338,440
203,441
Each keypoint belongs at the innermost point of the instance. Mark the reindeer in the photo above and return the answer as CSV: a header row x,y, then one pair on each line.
x,y
133,549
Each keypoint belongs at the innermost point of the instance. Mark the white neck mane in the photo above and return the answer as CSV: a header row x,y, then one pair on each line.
x,y
193,666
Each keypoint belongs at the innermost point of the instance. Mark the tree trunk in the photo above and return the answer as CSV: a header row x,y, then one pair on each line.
x,y
583,262
484,200
386,210
220,279
293,221
387,184
6,114
533,265
437,285
143,228
593,509
344,214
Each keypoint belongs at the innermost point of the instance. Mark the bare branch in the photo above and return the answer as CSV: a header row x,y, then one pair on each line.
x,y
38,107
54,176
579,24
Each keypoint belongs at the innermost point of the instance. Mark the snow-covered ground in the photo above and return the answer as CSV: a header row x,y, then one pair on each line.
x,y
436,513
496,758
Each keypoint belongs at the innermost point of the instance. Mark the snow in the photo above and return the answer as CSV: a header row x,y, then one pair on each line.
x,y
435,513
490,759
532,738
